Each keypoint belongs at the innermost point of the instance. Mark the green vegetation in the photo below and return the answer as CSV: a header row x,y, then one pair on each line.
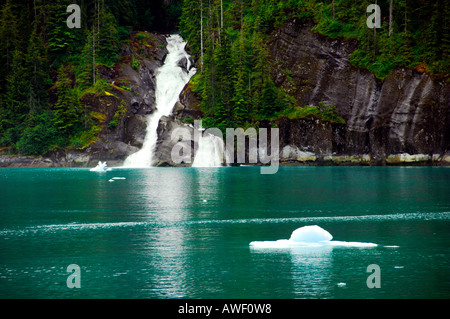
x,y
322,112
140,36
118,115
229,41
48,69
134,64
38,114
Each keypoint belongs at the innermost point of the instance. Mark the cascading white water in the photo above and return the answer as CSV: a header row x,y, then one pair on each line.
x,y
170,80
209,152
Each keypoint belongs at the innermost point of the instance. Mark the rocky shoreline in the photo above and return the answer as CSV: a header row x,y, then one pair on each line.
x,y
401,120
80,159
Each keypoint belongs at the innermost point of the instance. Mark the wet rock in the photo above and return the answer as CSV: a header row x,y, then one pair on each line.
x,y
407,112
183,64
167,139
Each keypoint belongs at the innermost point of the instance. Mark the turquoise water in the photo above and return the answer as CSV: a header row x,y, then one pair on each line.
x,y
185,232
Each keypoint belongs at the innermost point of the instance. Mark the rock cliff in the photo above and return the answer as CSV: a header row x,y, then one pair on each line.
x,y
407,113
404,118
120,110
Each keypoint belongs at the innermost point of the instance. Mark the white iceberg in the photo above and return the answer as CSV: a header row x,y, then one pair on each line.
x,y
101,167
310,234
309,237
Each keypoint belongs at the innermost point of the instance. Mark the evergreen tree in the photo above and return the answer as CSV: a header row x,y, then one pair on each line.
x,y
62,42
86,69
67,109
17,90
108,45
190,24
269,103
38,67
8,41
37,139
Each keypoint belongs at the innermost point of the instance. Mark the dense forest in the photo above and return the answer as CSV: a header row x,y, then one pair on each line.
x,y
229,39
46,67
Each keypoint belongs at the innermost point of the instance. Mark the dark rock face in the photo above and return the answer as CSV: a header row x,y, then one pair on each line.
x,y
135,89
186,64
173,132
407,112
312,135
185,108
131,93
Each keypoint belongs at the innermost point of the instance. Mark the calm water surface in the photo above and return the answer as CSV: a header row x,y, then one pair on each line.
x,y
185,232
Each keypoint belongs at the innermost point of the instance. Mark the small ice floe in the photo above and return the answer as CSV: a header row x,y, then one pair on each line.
x,y
118,178
399,267
101,167
204,201
391,246
111,180
309,237
341,284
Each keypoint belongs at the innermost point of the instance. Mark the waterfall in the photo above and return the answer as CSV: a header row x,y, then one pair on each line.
x,y
170,80
210,151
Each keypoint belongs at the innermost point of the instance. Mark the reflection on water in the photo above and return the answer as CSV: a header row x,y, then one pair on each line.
x,y
185,232
311,270
167,202
180,197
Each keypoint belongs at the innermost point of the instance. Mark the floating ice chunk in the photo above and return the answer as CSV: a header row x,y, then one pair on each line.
x,y
287,243
111,180
309,237
310,234
355,244
118,178
341,284
101,167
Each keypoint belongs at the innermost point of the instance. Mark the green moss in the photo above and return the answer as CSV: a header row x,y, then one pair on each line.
x,y
320,112
98,89
141,36
135,64
188,120
85,138
118,115
100,117
112,125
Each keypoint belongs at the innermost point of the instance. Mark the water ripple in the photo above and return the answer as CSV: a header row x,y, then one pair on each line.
x,y
282,220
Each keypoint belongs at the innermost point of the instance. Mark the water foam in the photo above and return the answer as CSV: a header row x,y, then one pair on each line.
x,y
259,221
209,153
170,81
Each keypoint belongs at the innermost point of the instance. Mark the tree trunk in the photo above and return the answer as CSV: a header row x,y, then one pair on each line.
x,y
93,54
333,9
375,38
201,34
405,16
390,18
